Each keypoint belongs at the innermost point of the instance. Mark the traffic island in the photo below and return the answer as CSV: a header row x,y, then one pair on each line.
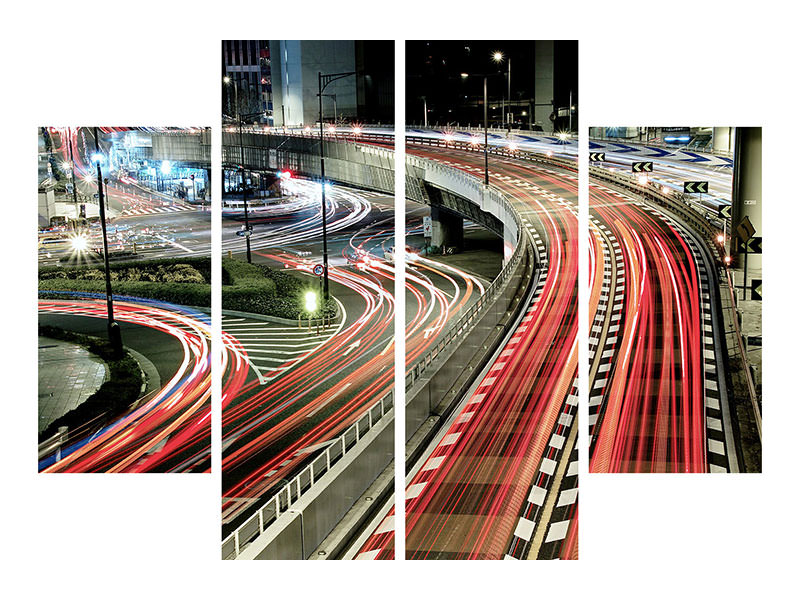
x,y
122,385
258,289
68,375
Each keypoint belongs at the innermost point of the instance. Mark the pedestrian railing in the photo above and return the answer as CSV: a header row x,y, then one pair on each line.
x,y
288,495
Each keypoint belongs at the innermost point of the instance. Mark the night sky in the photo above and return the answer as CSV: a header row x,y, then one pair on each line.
x,y
433,70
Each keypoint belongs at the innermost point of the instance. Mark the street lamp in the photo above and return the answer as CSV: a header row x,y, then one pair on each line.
x,y
322,82
228,80
114,333
498,58
485,127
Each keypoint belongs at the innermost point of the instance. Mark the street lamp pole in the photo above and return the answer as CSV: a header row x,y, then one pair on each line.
x,y
333,97
485,130
325,290
114,333
72,180
244,190
72,170
328,78
570,111
509,89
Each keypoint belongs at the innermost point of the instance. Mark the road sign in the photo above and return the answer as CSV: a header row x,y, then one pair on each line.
x,y
597,156
755,290
427,227
319,270
695,187
745,229
642,167
97,196
244,233
69,188
725,212
751,246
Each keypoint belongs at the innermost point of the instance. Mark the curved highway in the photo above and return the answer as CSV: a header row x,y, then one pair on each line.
x,y
489,486
658,400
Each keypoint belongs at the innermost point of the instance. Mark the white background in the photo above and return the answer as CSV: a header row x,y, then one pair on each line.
x,y
158,63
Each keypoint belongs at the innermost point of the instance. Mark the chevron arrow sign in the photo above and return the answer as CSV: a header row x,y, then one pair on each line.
x,y
695,187
725,212
597,156
751,246
756,290
642,167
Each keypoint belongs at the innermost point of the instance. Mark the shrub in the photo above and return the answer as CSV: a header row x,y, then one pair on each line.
x,y
262,290
177,270
189,294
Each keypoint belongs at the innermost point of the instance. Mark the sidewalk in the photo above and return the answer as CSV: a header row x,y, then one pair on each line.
x,y
68,375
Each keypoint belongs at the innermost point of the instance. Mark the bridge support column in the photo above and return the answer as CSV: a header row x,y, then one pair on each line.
x,y
448,228
509,243
544,79
746,198
722,139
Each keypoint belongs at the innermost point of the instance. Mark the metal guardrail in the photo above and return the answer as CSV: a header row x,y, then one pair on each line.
x,y
705,148
471,314
493,130
468,316
53,443
682,204
504,151
751,386
289,494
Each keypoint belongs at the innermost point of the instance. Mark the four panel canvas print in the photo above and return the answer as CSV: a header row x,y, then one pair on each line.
x,y
314,278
